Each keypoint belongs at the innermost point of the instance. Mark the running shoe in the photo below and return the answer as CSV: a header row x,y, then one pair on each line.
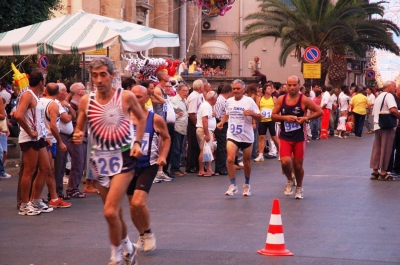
x,y
156,180
130,258
113,262
290,186
149,242
5,176
246,190
232,190
140,244
259,158
41,206
28,210
163,177
59,203
299,193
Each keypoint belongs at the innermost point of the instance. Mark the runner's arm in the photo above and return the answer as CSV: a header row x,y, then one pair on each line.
x,y
79,131
137,111
161,128
21,110
276,116
54,111
157,98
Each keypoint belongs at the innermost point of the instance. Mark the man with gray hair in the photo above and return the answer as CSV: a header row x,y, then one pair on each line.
x,y
193,103
240,112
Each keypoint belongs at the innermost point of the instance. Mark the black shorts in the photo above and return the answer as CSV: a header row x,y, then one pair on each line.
x,y
143,179
36,145
264,126
240,145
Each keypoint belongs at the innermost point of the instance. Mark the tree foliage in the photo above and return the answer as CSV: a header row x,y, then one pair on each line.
x,y
347,24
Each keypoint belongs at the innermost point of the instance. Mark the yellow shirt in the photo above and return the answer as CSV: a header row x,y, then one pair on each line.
x,y
359,103
149,105
192,68
266,107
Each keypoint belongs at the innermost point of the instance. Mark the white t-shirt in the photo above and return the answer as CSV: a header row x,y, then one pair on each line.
x,y
7,96
371,98
326,99
193,102
343,101
205,109
312,94
240,127
390,102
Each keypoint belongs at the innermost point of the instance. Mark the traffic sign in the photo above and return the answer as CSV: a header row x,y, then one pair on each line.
x,y
43,62
312,54
370,74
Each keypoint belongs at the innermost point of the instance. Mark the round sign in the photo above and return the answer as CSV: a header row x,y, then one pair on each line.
x,y
312,54
43,62
370,74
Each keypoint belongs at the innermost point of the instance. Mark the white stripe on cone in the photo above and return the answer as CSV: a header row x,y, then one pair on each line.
x,y
276,219
275,239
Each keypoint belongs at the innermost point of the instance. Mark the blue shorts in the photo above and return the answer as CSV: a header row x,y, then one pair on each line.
x,y
53,150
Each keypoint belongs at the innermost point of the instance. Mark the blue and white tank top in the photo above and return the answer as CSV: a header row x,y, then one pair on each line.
x,y
46,102
108,127
34,118
149,143
292,131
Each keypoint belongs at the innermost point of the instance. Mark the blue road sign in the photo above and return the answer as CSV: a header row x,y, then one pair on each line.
x,y
370,74
312,54
43,62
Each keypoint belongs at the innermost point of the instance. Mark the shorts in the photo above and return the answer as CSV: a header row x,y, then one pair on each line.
x,y
128,165
53,150
263,126
240,145
292,149
36,145
200,137
3,142
143,179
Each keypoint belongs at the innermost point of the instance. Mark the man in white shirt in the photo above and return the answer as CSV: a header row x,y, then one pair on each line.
x,y
240,113
383,141
369,120
326,105
255,70
334,113
193,102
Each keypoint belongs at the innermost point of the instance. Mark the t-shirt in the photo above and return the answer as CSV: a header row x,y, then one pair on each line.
x,y
193,102
240,127
205,109
343,101
192,68
390,102
359,103
326,99
266,107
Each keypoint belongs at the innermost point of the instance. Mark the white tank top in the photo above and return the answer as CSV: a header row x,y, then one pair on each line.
x,y
46,102
34,118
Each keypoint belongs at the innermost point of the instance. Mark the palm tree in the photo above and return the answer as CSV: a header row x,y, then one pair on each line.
x,y
346,25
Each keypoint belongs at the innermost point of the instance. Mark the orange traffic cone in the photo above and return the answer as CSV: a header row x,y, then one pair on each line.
x,y
275,245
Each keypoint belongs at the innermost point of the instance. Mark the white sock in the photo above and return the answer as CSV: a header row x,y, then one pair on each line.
x,y
116,253
127,245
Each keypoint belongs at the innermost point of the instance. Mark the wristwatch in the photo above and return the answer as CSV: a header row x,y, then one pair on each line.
x,y
137,142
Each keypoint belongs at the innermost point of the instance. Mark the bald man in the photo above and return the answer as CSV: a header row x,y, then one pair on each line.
x,y
291,110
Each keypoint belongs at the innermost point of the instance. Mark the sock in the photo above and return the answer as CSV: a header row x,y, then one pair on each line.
x,y
36,201
116,253
233,181
127,245
148,231
246,180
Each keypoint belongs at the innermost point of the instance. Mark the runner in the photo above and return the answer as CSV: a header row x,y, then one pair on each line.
x,y
114,153
290,110
149,162
240,112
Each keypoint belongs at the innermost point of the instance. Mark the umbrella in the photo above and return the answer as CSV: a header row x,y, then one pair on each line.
x,y
82,32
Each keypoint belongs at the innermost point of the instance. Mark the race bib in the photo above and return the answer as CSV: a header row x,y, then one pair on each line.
x,y
145,142
266,113
291,126
236,127
107,163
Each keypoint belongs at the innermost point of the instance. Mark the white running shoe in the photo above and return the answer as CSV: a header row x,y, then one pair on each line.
x,y
149,242
299,193
41,206
161,176
290,185
28,210
5,176
241,164
140,244
130,258
246,190
259,158
232,190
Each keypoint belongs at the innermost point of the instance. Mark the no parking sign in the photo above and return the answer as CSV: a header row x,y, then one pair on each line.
x,y
312,54
370,74
43,62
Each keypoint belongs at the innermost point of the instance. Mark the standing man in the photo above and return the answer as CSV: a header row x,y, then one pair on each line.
x,y
255,70
290,110
220,135
326,105
240,112
194,100
148,163
107,113
358,105
178,102
369,119
30,115
384,138
67,115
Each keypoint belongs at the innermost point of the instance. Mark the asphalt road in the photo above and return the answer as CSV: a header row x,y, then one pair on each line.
x,y
345,218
